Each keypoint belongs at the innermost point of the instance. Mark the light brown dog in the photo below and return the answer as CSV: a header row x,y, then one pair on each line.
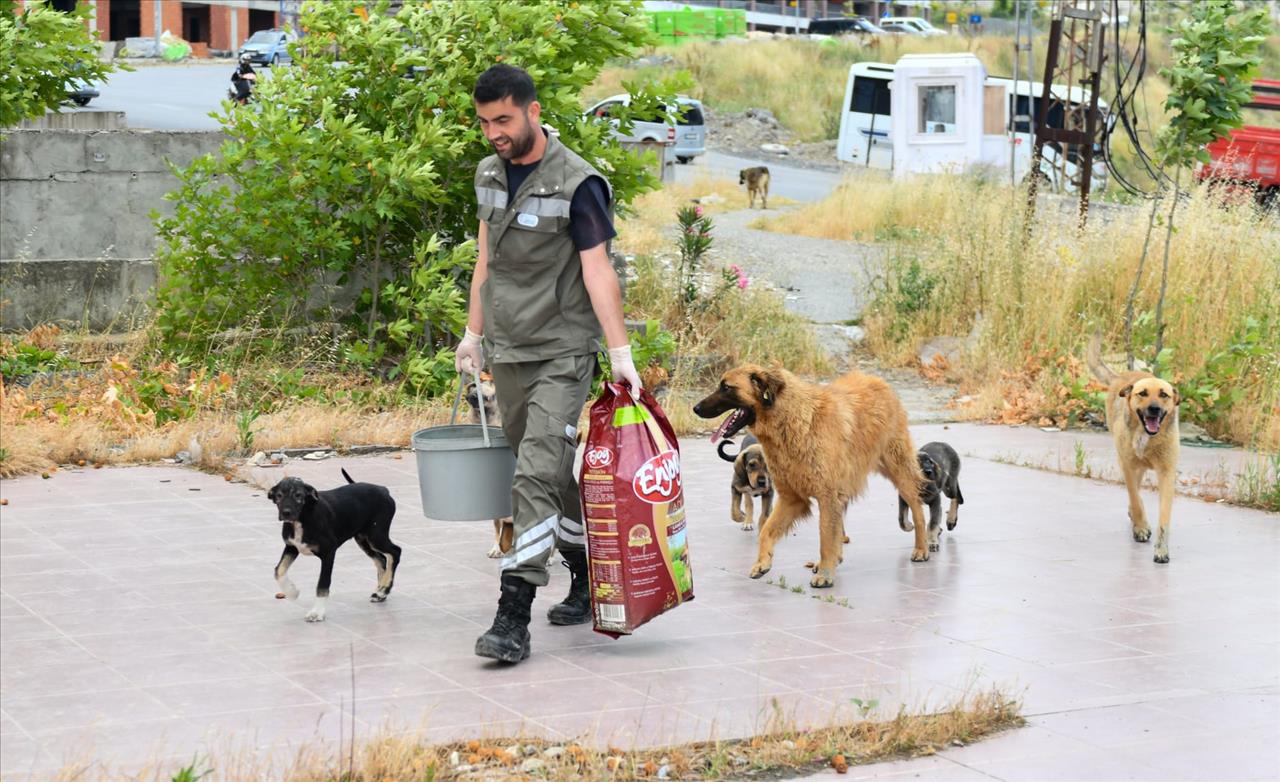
x,y
756,179
486,394
822,443
1142,414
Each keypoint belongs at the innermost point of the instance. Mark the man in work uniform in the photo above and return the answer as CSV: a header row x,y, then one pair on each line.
x,y
542,292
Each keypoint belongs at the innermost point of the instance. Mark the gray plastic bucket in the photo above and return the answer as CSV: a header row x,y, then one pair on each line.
x,y
464,470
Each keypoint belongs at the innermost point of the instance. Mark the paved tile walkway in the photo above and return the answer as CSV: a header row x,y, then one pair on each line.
x,y
137,622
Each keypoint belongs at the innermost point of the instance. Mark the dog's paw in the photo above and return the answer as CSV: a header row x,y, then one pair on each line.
x,y
759,569
935,547
289,589
905,526
1142,534
748,527
495,552
1161,557
919,555
378,597
315,615
823,578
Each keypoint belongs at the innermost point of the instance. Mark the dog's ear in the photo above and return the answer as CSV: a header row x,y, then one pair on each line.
x,y
271,495
1124,392
1177,398
767,385
312,494
742,177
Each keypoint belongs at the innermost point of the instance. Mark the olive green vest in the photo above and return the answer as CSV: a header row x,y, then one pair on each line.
x,y
535,303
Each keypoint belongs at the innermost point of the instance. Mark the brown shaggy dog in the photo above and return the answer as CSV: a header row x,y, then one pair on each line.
x,y
1142,414
822,442
757,181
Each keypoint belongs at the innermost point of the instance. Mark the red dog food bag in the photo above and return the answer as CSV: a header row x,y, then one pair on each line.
x,y
637,538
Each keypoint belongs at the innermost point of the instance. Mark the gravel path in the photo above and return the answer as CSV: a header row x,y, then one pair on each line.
x,y
828,282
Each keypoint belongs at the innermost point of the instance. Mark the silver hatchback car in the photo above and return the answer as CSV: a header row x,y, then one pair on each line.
x,y
689,135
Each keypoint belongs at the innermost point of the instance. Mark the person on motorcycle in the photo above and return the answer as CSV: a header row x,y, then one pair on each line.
x,y
243,79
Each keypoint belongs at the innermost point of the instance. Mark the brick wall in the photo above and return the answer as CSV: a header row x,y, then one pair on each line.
x,y
170,17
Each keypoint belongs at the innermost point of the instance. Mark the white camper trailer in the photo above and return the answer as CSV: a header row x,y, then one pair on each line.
x,y
954,116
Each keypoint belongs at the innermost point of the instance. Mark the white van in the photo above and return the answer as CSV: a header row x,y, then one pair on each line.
x,y
911,25
866,124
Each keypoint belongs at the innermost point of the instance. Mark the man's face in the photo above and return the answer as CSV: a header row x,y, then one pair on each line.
x,y
508,127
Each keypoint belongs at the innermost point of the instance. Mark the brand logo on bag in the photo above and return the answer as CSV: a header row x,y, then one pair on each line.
x,y
598,457
639,536
658,480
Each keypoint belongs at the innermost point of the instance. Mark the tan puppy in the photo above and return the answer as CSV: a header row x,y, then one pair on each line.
x,y
822,443
486,394
1142,414
756,179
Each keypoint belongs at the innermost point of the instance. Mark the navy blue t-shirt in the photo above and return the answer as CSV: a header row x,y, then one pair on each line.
x,y
589,222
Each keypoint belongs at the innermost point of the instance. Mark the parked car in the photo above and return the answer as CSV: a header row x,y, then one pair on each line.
x,y
81,92
910,25
688,135
843,25
268,47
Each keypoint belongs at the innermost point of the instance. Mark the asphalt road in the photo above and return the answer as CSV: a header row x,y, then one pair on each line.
x,y
797,184
181,97
176,97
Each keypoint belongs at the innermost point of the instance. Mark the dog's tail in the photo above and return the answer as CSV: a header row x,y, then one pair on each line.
x,y
345,475
727,456
1093,356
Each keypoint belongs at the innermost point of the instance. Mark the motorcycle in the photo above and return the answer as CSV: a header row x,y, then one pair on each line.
x,y
242,80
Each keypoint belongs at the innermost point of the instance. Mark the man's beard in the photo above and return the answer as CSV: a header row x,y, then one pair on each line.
x,y
521,145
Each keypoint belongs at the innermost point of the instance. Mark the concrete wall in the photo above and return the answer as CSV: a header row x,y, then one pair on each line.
x,y
76,238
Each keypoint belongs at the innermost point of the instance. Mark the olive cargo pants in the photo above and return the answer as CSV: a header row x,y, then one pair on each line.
x,y
540,402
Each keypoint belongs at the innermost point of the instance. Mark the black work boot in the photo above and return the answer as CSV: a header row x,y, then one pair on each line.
x,y
508,639
576,608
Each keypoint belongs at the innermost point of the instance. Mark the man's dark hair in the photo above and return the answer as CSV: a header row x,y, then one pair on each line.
x,y
505,81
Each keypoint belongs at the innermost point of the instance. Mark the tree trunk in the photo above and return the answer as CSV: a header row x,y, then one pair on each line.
x,y
1137,281
375,286
1164,273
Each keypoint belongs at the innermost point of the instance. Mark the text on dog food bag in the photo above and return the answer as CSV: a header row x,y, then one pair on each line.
x,y
637,543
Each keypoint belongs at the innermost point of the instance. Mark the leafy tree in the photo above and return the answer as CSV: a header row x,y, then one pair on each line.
x,y
355,168
40,51
1216,55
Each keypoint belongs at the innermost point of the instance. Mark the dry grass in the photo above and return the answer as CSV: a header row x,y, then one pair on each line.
x,y
649,226
1038,301
781,749
37,445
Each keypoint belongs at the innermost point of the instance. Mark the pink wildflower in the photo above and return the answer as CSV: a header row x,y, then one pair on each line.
x,y
697,211
743,282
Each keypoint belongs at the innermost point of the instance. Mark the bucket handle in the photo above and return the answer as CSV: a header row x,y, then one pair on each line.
x,y
457,400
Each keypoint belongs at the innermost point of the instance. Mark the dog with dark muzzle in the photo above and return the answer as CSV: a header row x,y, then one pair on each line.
x,y
317,523
756,179
941,467
1142,414
750,479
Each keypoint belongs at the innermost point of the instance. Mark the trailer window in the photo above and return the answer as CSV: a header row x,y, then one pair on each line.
x,y
937,108
870,96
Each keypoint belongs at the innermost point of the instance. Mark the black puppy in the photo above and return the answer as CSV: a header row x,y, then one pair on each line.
x,y
319,522
941,467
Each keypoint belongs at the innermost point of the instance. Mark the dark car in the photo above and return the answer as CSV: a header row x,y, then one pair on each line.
x,y
844,25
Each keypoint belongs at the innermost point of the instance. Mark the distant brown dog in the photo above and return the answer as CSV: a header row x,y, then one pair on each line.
x,y
1142,414
503,529
822,443
750,479
757,181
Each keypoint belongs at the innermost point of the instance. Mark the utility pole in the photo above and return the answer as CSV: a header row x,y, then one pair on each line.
x,y
1075,58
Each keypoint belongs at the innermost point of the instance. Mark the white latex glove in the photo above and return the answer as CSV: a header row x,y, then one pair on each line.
x,y
625,369
470,356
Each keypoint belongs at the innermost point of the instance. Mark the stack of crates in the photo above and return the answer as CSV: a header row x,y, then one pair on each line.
x,y
698,24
